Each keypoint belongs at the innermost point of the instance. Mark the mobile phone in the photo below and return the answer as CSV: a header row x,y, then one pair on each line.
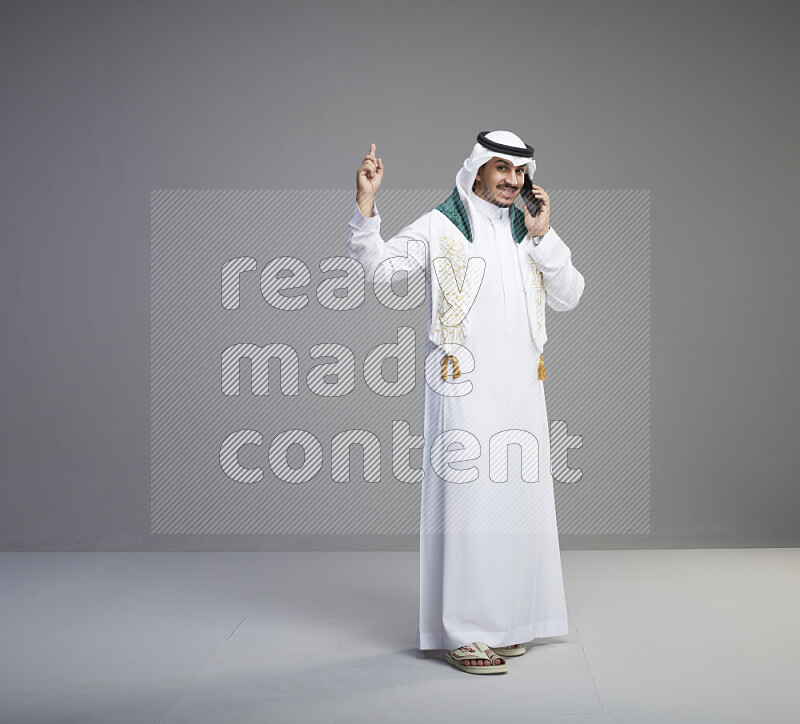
x,y
528,198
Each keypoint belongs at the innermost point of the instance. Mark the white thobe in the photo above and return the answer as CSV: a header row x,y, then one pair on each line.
x,y
490,564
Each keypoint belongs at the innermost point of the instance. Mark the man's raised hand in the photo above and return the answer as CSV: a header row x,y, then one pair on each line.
x,y
368,180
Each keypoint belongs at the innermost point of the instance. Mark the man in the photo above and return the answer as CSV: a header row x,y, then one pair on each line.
x,y
490,566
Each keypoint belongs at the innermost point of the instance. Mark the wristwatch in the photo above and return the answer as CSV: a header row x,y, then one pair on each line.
x,y
536,239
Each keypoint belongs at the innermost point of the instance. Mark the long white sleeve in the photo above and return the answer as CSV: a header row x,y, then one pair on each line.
x,y
562,282
381,259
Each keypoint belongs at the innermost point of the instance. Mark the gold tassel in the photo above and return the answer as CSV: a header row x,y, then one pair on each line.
x,y
541,367
456,369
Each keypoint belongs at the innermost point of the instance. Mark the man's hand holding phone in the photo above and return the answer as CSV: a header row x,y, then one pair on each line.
x,y
538,224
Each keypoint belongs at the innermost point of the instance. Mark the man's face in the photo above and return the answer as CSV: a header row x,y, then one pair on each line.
x,y
499,182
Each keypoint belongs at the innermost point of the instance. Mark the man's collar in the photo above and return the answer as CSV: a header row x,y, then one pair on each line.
x,y
487,208
453,208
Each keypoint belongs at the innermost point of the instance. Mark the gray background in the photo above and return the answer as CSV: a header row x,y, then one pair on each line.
x,y
103,102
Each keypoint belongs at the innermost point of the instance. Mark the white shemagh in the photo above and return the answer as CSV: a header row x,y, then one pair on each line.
x,y
457,277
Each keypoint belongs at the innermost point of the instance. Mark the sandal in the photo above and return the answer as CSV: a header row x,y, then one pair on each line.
x,y
476,650
510,651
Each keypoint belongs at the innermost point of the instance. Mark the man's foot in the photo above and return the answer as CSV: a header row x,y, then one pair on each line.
x,y
499,661
477,658
510,650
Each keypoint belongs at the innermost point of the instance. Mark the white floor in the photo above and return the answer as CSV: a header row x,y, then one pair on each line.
x,y
161,638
